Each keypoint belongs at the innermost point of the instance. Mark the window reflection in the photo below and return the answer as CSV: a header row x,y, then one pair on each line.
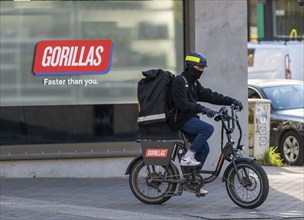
x,y
146,34
67,124
288,16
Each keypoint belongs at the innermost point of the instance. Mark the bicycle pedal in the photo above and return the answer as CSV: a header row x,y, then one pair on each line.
x,y
179,193
171,194
200,195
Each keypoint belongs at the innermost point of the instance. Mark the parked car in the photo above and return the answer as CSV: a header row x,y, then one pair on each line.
x,y
287,115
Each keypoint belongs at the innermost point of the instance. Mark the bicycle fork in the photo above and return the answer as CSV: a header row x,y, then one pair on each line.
x,y
241,180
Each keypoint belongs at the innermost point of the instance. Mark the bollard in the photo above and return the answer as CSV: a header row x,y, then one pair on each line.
x,y
258,127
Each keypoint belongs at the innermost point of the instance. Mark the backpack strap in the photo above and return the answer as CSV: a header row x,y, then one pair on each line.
x,y
186,82
191,88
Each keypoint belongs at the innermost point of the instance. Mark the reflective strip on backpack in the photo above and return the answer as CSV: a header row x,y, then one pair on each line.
x,y
151,117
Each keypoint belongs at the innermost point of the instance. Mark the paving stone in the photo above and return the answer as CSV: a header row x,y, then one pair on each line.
x,y
111,198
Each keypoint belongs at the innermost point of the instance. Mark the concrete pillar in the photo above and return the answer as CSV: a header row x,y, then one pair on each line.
x,y
221,35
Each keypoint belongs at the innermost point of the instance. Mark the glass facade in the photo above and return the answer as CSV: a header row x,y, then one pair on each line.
x,y
275,19
288,18
146,35
252,20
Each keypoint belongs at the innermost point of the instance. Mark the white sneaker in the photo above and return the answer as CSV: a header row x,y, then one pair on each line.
x,y
189,161
203,192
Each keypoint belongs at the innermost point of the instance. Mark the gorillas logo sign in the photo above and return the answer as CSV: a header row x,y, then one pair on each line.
x,y
152,152
73,57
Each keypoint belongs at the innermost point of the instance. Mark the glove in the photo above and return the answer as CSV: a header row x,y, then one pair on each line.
x,y
209,112
238,104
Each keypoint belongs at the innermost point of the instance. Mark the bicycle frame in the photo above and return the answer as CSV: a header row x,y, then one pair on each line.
x,y
228,152
228,124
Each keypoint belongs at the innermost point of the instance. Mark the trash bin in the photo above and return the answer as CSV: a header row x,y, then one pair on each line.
x,y
258,126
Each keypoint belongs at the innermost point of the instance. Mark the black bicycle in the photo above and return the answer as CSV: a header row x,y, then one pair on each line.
x,y
156,176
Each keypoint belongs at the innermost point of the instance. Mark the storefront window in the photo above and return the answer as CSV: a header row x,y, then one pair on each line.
x,y
288,19
146,34
252,20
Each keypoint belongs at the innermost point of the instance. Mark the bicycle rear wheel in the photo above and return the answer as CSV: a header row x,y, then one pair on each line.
x,y
253,189
149,191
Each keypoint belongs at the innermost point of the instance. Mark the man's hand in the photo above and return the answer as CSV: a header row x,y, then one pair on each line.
x,y
238,104
209,112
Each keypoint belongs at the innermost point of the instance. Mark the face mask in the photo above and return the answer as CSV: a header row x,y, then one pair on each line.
x,y
195,73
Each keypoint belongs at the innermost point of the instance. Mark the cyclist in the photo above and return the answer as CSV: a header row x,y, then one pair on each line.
x,y
186,91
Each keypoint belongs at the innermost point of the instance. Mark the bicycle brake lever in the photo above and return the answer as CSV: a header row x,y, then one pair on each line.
x,y
217,117
236,108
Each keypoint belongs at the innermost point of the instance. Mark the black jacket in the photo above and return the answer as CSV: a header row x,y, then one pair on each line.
x,y
186,91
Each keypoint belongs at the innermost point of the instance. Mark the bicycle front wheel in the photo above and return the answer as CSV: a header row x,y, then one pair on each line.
x,y
253,188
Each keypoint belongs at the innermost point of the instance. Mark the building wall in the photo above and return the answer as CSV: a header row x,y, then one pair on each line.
x,y
218,29
66,168
221,35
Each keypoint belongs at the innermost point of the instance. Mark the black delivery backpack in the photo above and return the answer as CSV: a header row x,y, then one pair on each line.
x,y
153,96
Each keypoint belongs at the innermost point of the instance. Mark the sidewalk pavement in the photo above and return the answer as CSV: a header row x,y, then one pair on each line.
x,y
111,198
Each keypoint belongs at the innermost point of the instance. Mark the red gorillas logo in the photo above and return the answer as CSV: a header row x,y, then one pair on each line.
x,y
155,152
70,57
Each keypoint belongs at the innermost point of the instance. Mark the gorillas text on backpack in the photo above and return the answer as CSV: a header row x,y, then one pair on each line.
x,y
153,96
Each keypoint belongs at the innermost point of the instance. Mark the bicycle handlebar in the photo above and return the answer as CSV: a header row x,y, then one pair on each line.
x,y
224,116
228,119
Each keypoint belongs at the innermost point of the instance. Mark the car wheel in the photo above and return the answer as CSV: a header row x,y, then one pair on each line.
x,y
291,148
